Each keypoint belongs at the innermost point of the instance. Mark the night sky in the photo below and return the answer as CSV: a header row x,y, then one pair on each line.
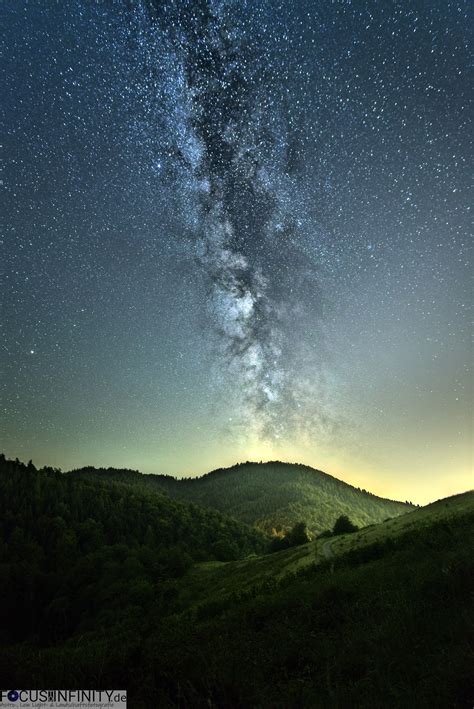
x,y
239,230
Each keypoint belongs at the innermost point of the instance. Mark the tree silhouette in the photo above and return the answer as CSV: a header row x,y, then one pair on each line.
x,y
299,534
343,525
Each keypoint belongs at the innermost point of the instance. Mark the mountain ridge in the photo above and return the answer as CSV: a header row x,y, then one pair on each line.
x,y
270,496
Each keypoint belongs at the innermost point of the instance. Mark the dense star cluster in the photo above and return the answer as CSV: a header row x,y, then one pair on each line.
x,y
231,154
238,227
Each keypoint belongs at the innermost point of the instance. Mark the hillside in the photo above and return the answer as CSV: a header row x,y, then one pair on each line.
x,y
379,617
70,544
382,622
269,496
215,581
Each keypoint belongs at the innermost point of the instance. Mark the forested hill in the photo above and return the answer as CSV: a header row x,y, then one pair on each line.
x,y
269,496
68,544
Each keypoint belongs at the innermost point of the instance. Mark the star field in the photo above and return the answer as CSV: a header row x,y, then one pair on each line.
x,y
239,230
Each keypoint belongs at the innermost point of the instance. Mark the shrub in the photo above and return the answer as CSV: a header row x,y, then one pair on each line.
x,y
343,525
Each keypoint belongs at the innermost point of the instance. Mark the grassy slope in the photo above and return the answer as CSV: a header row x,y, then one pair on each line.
x,y
216,580
269,495
385,622
385,625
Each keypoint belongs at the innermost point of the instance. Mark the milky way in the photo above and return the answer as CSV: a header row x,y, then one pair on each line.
x,y
233,155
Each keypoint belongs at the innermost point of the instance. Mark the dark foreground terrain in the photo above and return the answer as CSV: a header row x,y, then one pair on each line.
x,y
106,586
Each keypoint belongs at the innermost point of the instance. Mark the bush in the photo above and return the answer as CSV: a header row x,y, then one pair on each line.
x,y
299,534
343,525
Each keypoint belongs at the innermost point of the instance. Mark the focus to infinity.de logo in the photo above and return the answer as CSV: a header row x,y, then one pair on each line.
x,y
12,695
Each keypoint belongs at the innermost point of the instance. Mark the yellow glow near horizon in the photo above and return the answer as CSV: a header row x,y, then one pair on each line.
x,y
435,477
387,469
